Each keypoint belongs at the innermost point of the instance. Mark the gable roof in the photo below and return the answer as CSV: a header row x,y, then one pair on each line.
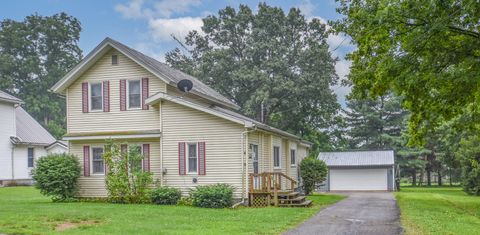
x,y
9,98
29,131
358,158
164,72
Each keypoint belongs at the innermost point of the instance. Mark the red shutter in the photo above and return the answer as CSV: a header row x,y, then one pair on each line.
x,y
201,158
106,96
146,157
144,93
86,160
181,158
85,97
123,95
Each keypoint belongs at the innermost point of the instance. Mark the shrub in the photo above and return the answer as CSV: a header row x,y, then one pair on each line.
x,y
213,196
185,201
469,155
56,175
165,195
312,171
126,182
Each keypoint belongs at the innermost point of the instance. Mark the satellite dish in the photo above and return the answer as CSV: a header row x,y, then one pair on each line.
x,y
185,85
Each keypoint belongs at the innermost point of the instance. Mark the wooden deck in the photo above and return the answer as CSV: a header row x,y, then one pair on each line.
x,y
274,188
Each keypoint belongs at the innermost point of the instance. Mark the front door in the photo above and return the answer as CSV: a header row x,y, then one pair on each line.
x,y
254,157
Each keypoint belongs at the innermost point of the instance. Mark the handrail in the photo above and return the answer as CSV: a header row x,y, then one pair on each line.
x,y
270,182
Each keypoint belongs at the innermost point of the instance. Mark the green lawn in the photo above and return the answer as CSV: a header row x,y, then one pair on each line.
x,y
24,211
438,210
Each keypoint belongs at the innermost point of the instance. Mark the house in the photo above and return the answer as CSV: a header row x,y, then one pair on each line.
x,y
359,170
188,138
22,141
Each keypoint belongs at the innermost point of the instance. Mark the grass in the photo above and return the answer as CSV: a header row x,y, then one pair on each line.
x,y
438,210
24,210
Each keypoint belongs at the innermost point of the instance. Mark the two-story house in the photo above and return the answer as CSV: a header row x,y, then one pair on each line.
x,y
188,139
22,141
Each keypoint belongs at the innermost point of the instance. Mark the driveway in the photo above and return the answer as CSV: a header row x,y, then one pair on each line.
x,y
361,213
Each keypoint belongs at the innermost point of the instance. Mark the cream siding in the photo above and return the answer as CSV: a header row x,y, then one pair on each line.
x,y
94,185
115,120
223,147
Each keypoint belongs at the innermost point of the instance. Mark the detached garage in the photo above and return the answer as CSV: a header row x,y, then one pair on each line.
x,y
359,170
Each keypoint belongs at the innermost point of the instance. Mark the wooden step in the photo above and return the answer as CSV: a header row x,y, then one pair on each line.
x,y
289,194
303,204
297,199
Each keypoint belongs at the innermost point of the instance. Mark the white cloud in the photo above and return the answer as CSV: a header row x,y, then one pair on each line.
x,y
307,7
139,9
133,10
162,29
166,8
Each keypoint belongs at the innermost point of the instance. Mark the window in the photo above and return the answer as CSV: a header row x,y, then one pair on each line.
x,y
134,94
135,162
30,157
276,157
97,161
254,156
192,158
114,59
293,157
96,96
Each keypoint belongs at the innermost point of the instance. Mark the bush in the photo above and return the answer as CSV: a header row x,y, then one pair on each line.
x,y
185,201
312,171
469,155
213,196
165,195
56,175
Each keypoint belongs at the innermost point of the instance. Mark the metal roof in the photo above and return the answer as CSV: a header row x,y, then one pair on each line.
x,y
358,158
29,131
9,98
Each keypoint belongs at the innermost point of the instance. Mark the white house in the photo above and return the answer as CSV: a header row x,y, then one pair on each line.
x,y
359,170
22,141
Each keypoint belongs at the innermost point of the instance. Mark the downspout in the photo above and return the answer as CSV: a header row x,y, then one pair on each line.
x,y
13,161
244,152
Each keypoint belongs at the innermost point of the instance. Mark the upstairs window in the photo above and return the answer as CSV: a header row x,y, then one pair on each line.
x,y
276,157
96,96
30,157
134,94
114,59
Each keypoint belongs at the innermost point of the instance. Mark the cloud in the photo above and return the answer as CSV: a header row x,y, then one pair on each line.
x,y
139,9
306,7
162,29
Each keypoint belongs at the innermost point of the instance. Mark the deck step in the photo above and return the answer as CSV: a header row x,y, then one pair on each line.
x,y
289,194
297,199
303,204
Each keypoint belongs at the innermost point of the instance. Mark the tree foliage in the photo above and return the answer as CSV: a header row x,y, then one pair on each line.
x,y
312,171
469,153
56,175
426,51
34,54
265,58
125,180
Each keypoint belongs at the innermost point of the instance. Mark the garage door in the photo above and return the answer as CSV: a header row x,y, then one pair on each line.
x,y
358,179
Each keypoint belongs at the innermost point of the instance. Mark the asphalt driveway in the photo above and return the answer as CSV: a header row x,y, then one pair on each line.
x,y
361,213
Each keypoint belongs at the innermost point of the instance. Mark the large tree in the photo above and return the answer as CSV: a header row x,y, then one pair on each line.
x,y
426,51
268,59
34,54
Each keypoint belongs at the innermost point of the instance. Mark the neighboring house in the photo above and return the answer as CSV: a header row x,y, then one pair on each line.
x,y
22,141
359,170
188,139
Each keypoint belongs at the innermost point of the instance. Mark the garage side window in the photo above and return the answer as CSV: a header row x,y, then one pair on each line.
x,y
276,157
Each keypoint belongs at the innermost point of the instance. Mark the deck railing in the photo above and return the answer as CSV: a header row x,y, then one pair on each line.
x,y
271,183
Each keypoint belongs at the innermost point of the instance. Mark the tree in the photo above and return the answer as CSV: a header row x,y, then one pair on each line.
x,y
469,154
375,123
34,55
312,171
276,66
426,51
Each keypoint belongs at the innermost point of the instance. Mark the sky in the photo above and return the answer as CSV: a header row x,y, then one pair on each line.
x,y
148,25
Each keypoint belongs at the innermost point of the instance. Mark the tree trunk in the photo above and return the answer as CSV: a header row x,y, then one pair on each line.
x,y
439,178
450,175
414,178
429,177
422,172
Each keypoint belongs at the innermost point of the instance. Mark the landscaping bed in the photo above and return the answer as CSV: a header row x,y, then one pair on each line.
x,y
438,210
25,211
